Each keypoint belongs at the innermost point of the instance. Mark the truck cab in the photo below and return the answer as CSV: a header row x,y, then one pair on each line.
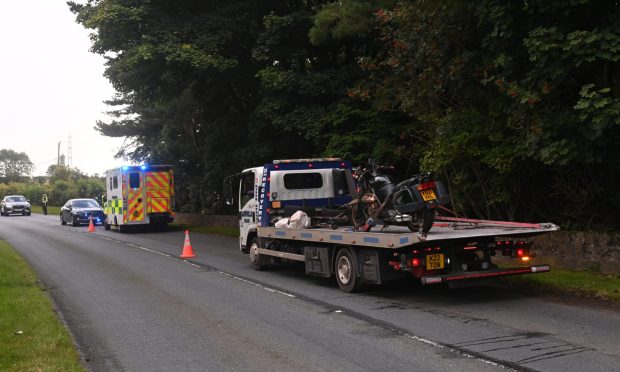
x,y
274,191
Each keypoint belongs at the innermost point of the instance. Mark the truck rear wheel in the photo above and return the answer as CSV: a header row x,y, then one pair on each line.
x,y
346,271
259,261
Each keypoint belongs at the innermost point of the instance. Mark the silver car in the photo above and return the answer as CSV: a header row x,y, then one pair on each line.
x,y
15,204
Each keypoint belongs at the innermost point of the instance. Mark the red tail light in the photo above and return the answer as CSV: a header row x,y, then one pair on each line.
x,y
426,185
415,262
520,252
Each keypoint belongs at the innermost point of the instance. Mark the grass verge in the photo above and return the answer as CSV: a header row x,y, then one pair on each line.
x,y
31,336
218,230
579,284
55,211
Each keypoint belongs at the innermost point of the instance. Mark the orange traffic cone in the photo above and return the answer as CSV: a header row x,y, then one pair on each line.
x,y
188,252
91,225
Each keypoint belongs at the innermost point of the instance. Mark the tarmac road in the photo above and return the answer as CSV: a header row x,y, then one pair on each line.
x,y
131,304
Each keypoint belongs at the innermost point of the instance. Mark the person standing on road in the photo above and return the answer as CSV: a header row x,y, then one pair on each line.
x,y
44,201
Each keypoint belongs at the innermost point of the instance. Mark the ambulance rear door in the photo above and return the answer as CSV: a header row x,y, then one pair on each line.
x,y
159,191
136,196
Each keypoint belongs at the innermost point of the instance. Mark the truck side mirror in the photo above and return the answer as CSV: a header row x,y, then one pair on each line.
x,y
227,189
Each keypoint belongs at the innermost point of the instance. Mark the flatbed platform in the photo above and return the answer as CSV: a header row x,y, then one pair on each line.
x,y
394,237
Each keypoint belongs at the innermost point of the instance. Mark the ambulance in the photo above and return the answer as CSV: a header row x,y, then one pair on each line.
x,y
139,195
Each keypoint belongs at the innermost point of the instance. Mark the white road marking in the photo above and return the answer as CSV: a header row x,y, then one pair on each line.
x,y
193,264
257,284
150,250
437,345
196,265
413,337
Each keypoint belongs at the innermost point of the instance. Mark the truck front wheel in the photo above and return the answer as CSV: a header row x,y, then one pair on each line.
x,y
259,261
346,271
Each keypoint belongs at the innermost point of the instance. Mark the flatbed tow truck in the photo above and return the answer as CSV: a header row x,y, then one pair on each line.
x,y
455,250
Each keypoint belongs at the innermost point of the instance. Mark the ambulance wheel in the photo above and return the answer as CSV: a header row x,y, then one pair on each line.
x,y
120,228
259,261
106,225
346,271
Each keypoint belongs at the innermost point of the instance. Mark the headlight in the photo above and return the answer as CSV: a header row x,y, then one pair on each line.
x,y
27,205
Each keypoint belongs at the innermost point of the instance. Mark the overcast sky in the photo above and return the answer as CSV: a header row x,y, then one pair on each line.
x,y
51,87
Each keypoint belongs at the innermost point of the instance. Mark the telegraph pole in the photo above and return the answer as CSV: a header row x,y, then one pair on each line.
x,y
69,153
58,162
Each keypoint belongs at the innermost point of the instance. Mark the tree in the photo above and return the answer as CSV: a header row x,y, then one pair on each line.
x,y
516,101
515,104
185,79
14,166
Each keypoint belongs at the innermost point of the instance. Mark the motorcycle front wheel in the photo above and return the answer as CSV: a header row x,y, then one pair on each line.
x,y
425,219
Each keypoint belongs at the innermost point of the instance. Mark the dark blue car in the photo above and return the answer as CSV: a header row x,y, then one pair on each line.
x,y
79,211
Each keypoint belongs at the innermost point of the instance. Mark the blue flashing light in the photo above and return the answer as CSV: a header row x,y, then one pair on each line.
x,y
143,167
125,167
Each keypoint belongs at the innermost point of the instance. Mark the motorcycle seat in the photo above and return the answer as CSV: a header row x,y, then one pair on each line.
x,y
404,183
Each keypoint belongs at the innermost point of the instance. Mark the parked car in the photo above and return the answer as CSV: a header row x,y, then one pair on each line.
x,y
15,204
79,211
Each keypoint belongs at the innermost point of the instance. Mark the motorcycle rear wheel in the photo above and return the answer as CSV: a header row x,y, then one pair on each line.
x,y
424,223
359,215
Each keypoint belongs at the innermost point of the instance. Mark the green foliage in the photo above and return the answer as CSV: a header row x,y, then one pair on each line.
x,y
348,19
33,192
573,283
10,188
513,104
62,184
516,101
599,108
14,166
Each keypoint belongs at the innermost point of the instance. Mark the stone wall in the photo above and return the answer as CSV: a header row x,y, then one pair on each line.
x,y
579,250
571,250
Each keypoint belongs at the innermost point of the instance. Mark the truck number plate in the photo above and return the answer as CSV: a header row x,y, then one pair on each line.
x,y
428,195
434,261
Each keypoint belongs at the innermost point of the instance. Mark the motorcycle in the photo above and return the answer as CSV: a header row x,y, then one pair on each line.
x,y
383,200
